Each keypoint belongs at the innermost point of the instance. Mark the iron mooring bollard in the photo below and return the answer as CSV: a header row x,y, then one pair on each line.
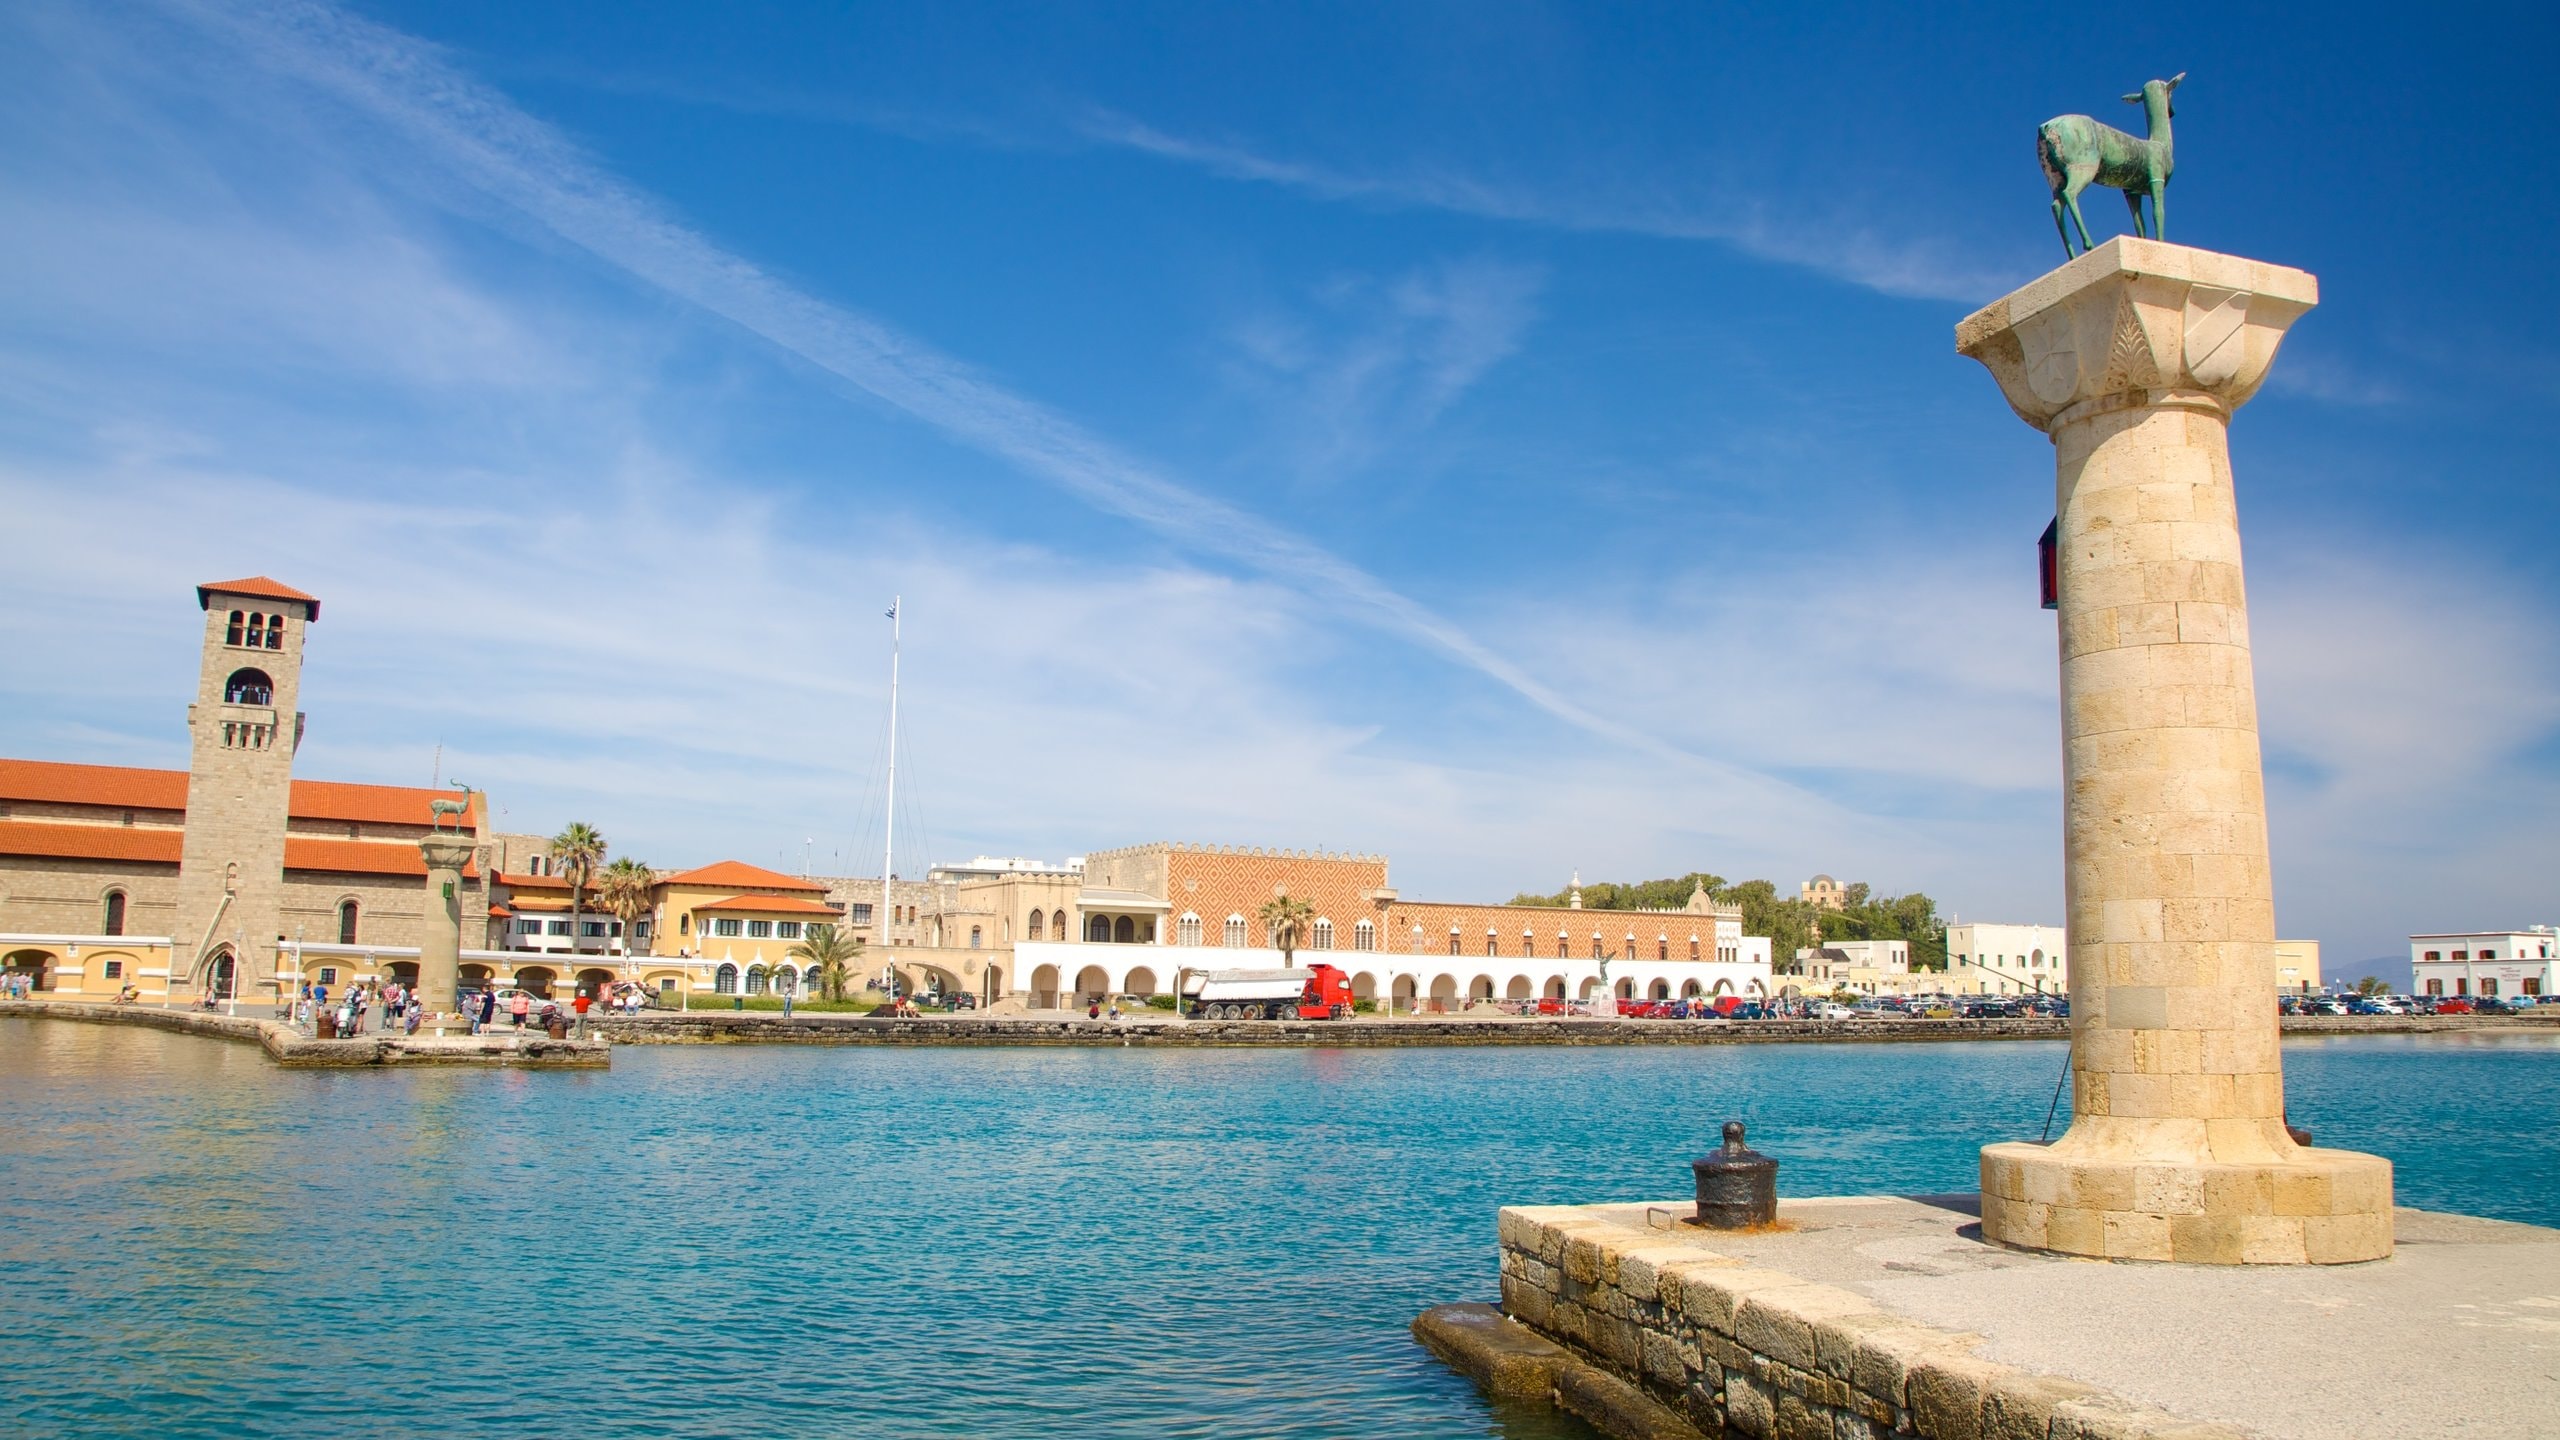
x,y
1737,1186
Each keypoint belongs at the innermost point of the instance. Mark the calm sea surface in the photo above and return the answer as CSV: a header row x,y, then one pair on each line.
x,y
858,1242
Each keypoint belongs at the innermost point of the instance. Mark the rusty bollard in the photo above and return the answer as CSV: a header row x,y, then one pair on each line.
x,y
1737,1186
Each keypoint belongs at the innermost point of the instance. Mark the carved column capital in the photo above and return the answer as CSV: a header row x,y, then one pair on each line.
x,y
447,852
2137,323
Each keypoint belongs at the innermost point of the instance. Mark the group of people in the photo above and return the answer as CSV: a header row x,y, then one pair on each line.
x,y
398,1004
17,985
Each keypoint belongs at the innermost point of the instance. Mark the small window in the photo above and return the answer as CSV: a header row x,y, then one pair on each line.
x,y
725,928
1186,931
1322,936
2488,954
725,980
1453,940
861,914
328,974
977,938
1235,932
1038,917
2461,954
528,927
592,929
556,927
786,930
759,929
115,971
1661,948
346,922
231,634
684,923
115,914
1492,945
2488,985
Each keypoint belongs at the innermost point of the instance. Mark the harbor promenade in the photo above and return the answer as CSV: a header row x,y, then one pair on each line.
x,y
289,1046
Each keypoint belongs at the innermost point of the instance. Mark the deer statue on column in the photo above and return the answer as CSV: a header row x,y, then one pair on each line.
x,y
2076,151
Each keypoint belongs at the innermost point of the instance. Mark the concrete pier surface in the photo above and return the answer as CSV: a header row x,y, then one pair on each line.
x,y
1885,1315
289,1047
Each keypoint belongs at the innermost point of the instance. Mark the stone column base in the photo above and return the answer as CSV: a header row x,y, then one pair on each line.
x,y
2321,1207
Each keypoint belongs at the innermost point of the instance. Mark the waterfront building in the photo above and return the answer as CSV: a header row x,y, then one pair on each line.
x,y
1996,959
226,876
1867,967
1824,893
2502,964
2298,966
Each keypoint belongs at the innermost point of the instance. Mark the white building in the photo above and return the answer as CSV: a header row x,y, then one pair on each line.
x,y
1984,959
1869,967
2507,964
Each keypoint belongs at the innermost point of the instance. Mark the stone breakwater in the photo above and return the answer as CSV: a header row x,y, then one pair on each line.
x,y
293,1049
1647,1335
713,1027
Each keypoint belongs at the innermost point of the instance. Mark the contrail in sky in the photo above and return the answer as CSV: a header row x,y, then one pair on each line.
x,y
482,136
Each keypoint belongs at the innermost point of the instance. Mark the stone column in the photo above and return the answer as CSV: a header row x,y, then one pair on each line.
x,y
440,935
2132,358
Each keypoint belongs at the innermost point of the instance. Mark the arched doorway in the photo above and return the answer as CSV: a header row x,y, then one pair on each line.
x,y
475,975
1044,988
1097,929
1403,992
593,980
536,979
1444,992
1661,990
1091,985
1555,987
36,965
1141,981
1590,987
1518,989
1364,986
221,974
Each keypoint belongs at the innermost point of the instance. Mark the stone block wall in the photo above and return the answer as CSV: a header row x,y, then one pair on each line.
x,y
1751,1351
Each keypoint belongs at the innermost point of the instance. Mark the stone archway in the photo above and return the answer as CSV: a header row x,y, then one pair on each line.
x,y
36,965
536,979
1044,988
1093,985
1140,982
1444,992
1518,989
592,981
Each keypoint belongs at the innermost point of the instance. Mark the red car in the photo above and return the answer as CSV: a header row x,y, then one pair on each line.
x,y
2456,1006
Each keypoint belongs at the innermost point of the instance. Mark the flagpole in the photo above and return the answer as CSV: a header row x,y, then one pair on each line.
x,y
889,813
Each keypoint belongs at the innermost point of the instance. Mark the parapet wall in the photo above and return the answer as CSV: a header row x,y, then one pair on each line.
x,y
1732,1348
294,1050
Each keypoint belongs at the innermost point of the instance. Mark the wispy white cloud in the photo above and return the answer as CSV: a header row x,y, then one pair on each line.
x,y
1383,361
453,121
1831,245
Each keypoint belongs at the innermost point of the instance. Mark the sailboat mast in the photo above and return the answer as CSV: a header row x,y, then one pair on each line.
x,y
889,820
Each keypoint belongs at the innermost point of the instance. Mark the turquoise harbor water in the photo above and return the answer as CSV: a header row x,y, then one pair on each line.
x,y
856,1242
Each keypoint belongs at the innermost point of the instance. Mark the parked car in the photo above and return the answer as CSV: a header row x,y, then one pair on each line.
x,y
1832,1010
2453,1005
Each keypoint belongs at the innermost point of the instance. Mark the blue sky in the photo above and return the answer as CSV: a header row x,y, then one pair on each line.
x,y
1513,438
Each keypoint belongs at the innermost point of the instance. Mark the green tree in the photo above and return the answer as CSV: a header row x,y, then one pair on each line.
x,y
1639,895
833,951
627,888
576,852
1286,919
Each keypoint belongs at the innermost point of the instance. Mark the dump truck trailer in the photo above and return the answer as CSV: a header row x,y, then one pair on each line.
x,y
1309,992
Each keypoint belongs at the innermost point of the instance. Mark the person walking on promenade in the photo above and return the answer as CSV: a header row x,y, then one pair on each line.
x,y
488,1010
414,1012
521,1007
786,1001
580,1005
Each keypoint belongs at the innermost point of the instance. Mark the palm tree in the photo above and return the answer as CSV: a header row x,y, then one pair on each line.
x,y
833,952
627,888
576,852
1287,920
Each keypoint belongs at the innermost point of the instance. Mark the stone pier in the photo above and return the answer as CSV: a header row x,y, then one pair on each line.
x,y
2132,358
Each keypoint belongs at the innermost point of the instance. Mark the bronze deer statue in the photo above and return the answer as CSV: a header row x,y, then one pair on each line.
x,y
459,808
2077,151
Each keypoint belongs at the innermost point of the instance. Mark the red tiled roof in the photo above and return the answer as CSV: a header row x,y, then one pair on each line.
x,y
257,587
358,857
522,902
501,912
54,783
122,787
739,875
514,881
377,804
772,905
90,842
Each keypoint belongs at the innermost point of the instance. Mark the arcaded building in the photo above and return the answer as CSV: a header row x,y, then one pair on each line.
x,y
232,876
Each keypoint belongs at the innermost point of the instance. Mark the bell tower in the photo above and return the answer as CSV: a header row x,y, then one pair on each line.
x,y
243,729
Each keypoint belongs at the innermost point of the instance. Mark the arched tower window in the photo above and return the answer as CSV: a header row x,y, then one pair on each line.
x,y
275,632
115,914
977,937
248,687
346,922
1124,931
1038,923
1364,936
231,632
1058,923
